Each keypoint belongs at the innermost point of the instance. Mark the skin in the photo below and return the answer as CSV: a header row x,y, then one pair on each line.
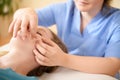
x,y
21,52
52,55
21,19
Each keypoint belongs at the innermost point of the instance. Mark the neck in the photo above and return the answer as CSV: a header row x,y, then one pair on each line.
x,y
91,13
18,64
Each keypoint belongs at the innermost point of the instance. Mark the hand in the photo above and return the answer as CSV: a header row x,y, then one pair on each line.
x,y
48,53
25,20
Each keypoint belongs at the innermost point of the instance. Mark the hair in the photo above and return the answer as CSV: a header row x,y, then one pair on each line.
x,y
47,69
108,7
107,2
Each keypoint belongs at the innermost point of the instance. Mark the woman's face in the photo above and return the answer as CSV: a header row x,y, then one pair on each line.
x,y
28,44
88,5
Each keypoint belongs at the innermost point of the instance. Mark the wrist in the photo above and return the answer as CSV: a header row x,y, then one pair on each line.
x,y
64,60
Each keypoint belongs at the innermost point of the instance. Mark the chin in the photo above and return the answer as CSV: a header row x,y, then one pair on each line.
x,y
82,9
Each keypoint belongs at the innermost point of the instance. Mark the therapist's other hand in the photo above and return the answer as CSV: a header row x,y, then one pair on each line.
x,y
25,20
48,53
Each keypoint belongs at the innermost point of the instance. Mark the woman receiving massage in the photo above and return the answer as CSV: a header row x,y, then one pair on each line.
x,y
20,60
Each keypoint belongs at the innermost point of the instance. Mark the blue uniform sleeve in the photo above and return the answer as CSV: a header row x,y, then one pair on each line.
x,y
113,48
50,15
9,74
46,16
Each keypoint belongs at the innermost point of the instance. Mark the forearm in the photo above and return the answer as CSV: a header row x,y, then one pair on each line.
x,y
96,65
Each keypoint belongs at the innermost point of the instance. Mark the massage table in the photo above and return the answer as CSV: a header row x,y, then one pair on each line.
x,y
67,74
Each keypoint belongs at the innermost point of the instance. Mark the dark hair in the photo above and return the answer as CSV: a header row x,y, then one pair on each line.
x,y
47,69
107,2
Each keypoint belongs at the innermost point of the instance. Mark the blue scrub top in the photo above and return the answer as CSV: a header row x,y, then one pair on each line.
x,y
100,38
9,74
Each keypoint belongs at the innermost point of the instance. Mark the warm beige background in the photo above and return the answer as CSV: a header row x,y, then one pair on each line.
x,y
39,3
4,23
42,3
116,3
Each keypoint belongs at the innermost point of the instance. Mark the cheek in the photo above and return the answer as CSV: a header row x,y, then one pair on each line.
x,y
14,43
96,3
21,45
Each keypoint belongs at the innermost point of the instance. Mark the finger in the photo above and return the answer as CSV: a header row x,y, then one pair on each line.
x,y
33,27
39,56
19,34
11,26
41,49
40,62
16,27
38,37
48,41
24,28
47,47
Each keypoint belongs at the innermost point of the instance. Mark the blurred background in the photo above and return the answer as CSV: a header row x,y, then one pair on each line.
x,y
8,7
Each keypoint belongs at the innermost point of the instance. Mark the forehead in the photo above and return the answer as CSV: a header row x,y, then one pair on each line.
x,y
45,32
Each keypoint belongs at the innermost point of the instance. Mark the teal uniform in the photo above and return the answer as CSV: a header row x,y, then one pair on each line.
x,y
9,74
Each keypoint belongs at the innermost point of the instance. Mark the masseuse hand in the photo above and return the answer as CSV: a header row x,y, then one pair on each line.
x,y
48,53
25,20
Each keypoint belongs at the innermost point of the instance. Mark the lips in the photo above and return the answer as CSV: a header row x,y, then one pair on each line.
x,y
82,3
